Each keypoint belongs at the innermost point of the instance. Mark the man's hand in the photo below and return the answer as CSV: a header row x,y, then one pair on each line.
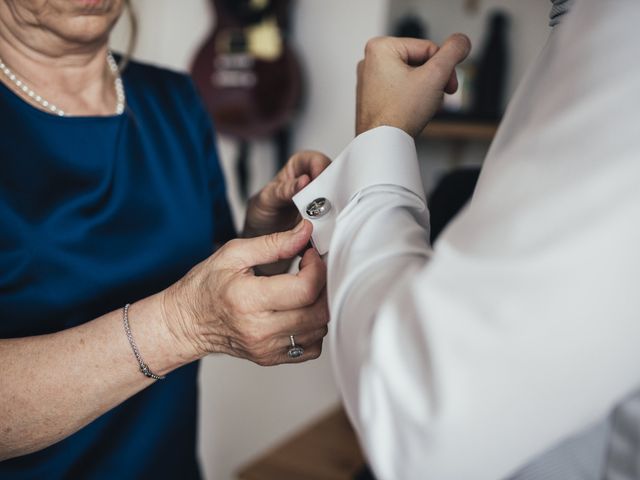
x,y
401,81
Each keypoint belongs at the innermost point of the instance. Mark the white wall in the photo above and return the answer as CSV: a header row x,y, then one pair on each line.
x,y
527,34
244,409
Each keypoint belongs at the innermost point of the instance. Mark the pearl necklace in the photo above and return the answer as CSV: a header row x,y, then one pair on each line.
x,y
27,91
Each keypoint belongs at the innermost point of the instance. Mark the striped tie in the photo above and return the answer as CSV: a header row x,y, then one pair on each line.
x,y
559,8
579,458
608,451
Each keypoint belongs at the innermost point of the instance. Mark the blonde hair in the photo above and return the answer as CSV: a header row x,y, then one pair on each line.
x,y
133,34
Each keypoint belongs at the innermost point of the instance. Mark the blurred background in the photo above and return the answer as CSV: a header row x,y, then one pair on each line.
x,y
247,412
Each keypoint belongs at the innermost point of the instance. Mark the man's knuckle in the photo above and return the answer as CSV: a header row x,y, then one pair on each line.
x,y
439,69
374,44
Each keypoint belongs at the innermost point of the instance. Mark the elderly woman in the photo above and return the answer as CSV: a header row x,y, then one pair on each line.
x,y
110,191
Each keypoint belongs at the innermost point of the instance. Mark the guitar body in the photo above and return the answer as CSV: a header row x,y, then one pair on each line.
x,y
247,75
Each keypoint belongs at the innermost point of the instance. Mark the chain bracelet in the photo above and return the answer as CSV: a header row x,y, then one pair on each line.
x,y
144,368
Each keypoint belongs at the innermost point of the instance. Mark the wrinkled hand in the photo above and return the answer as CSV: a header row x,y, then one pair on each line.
x,y
221,306
402,81
271,210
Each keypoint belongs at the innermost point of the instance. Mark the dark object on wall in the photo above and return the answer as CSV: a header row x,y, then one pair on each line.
x,y
411,26
491,76
451,194
249,78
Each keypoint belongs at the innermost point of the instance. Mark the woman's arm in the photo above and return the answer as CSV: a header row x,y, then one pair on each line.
x,y
53,385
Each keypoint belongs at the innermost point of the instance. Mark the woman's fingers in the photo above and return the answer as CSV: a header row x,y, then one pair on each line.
x,y
281,356
290,291
304,340
310,353
253,317
301,321
246,253
269,335
301,169
308,163
267,331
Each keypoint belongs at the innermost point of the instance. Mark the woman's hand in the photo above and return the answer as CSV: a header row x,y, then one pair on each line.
x,y
271,209
221,306
401,81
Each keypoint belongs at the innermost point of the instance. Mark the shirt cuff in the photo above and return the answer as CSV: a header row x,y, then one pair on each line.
x,y
382,156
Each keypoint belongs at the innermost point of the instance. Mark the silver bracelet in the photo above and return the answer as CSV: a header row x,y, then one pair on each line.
x,y
144,368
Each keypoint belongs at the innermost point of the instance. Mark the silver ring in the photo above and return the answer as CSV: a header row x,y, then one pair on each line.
x,y
294,351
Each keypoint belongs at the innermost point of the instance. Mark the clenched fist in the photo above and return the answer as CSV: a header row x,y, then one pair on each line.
x,y
401,81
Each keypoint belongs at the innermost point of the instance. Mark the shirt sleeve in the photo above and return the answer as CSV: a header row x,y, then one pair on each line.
x,y
520,327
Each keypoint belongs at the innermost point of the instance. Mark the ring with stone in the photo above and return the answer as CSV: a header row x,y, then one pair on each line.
x,y
295,350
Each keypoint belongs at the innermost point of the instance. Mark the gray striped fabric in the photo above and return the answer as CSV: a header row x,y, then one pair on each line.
x,y
609,450
559,8
623,460
581,457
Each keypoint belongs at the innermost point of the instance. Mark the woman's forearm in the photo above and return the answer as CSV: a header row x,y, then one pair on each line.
x,y
53,385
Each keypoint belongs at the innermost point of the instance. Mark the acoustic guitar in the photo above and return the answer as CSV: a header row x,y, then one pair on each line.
x,y
248,75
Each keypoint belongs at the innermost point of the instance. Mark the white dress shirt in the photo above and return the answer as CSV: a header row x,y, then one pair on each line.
x,y
522,326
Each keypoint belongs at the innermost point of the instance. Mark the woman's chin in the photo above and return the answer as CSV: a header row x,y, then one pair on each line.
x,y
96,7
80,21
90,3
86,28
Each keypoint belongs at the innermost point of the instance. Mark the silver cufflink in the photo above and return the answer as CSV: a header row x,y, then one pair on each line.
x,y
318,208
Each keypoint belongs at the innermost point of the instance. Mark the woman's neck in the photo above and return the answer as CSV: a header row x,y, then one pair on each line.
x,y
74,76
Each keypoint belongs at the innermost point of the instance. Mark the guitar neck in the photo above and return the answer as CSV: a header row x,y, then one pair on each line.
x,y
242,13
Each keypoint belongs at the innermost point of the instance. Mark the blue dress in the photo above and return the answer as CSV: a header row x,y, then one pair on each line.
x,y
96,212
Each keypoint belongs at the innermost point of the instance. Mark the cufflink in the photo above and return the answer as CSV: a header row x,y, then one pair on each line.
x,y
318,208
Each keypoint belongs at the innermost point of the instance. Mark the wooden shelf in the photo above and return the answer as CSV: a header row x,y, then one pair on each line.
x,y
460,131
327,450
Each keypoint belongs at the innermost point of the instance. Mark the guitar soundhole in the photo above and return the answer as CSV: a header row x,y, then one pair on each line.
x,y
238,41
